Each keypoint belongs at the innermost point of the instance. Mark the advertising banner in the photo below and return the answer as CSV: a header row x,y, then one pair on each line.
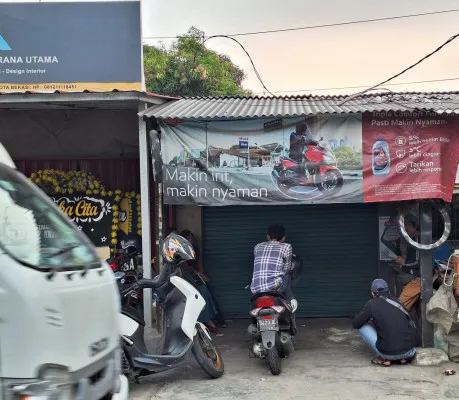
x,y
70,46
312,160
409,155
321,159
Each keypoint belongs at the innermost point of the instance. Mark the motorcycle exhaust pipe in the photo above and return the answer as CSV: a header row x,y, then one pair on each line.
x,y
285,337
286,343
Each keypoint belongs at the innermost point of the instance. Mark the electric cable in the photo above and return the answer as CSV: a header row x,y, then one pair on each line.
x,y
362,21
452,38
362,86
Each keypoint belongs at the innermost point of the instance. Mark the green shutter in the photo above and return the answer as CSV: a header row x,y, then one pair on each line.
x,y
338,246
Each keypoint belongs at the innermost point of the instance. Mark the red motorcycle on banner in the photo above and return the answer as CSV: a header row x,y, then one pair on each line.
x,y
318,171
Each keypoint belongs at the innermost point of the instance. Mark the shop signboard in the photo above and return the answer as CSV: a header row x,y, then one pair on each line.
x,y
348,158
70,46
93,214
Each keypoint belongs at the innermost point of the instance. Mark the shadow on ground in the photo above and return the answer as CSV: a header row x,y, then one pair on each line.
x,y
330,362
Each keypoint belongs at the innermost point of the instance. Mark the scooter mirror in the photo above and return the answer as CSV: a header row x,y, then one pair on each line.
x,y
119,275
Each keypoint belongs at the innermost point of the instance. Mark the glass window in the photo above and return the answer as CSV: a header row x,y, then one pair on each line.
x,y
34,232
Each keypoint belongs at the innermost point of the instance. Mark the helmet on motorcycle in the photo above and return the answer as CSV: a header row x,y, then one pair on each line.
x,y
176,247
131,243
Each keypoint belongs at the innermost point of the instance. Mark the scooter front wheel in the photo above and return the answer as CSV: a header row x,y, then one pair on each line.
x,y
207,355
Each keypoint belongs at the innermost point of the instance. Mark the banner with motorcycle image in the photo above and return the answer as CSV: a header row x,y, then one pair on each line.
x,y
263,161
345,158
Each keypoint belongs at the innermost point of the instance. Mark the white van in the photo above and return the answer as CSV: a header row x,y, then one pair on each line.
x,y
59,336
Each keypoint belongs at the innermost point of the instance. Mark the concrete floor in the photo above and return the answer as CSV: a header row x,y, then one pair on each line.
x,y
330,362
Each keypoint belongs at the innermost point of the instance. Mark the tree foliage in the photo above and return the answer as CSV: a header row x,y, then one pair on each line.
x,y
188,68
347,158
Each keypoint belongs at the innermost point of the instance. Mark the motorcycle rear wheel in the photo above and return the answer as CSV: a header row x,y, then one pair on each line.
x,y
274,361
207,356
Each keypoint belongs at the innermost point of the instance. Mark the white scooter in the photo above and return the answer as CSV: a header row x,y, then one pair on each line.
x,y
181,305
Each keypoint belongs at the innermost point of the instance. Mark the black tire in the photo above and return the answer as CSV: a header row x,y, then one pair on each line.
x,y
443,210
336,175
274,361
210,361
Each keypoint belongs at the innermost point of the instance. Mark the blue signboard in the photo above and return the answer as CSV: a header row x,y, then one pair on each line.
x,y
70,46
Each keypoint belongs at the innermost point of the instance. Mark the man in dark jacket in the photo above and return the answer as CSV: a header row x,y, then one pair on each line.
x,y
393,334
298,140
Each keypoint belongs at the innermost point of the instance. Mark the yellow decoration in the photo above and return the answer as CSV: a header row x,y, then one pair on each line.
x,y
139,232
57,181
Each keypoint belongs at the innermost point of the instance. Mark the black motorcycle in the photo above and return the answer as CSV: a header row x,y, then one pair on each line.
x,y
273,325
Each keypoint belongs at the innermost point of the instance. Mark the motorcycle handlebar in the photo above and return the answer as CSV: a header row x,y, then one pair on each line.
x,y
153,284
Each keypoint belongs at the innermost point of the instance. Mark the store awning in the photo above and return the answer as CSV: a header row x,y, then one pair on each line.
x,y
81,100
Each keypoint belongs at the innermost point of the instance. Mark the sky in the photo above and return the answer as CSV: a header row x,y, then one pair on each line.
x,y
301,61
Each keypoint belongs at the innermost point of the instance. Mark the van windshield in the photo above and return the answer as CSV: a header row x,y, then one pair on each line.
x,y
34,232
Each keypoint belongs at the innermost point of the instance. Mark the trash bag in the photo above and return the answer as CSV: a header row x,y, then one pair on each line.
x,y
442,308
442,311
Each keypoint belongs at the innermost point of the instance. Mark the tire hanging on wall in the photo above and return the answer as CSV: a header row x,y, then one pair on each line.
x,y
442,209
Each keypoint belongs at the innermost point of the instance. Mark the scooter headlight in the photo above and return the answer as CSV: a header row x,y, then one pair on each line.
x,y
53,385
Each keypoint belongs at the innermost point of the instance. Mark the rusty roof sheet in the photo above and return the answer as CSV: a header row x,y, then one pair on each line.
x,y
203,108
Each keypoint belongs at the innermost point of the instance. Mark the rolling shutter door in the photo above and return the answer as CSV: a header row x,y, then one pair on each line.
x,y
338,246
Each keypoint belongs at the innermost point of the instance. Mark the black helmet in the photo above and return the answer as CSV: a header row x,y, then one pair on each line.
x,y
175,246
132,242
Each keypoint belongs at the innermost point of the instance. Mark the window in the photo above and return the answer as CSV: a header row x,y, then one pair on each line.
x,y
34,232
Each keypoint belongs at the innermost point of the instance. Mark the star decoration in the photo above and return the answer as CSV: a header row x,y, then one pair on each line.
x,y
104,239
80,227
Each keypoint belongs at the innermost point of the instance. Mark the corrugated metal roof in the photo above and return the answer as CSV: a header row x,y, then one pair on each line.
x,y
256,106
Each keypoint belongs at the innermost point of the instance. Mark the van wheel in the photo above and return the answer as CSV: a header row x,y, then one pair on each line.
x,y
274,361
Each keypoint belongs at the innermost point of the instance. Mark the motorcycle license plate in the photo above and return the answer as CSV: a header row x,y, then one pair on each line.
x,y
268,324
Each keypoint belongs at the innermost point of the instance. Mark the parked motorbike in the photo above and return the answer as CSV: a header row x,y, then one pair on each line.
x,y
319,170
181,305
273,325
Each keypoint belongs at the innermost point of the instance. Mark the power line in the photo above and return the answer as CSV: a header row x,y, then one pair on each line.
x,y
362,21
362,86
405,70
248,55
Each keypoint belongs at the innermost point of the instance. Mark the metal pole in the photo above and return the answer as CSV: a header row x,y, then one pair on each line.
x,y
207,150
145,207
159,225
425,229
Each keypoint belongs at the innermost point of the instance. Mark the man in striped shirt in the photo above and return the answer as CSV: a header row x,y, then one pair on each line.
x,y
272,265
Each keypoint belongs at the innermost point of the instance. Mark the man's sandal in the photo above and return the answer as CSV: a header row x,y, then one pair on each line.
x,y
381,362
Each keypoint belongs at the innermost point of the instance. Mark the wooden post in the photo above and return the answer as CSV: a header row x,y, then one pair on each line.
x,y
455,260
